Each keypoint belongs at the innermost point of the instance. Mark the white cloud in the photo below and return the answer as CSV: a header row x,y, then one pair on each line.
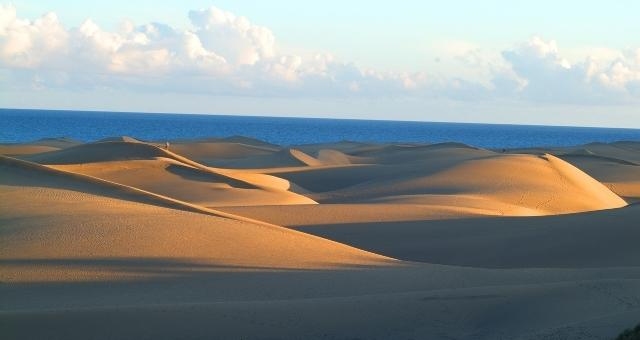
x,y
621,74
225,54
29,44
221,54
545,76
234,37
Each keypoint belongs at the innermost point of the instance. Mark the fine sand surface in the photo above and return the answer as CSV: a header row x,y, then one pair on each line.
x,y
236,238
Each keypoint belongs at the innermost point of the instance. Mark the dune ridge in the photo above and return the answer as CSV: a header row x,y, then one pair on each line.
x,y
91,218
106,158
239,238
124,191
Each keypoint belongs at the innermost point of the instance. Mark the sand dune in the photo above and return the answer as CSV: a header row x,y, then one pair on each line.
x,y
99,152
502,184
615,165
275,159
150,168
248,141
605,238
206,152
171,178
39,146
24,149
124,239
343,146
70,224
353,213
125,139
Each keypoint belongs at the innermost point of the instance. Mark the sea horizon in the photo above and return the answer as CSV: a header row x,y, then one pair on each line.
x,y
348,118
28,125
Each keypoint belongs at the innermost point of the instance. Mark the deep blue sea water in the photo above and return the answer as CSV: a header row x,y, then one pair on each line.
x,y
31,125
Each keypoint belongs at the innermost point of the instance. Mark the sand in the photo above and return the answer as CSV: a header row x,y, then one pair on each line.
x,y
235,238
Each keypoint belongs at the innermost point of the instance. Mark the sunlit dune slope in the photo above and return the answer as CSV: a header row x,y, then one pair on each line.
x,y
616,165
503,184
154,169
72,220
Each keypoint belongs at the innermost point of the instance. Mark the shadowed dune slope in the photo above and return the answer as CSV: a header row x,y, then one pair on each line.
x,y
99,152
119,240
163,172
171,178
442,176
24,149
277,159
125,139
499,184
623,179
607,238
616,165
62,222
328,214
39,146
205,152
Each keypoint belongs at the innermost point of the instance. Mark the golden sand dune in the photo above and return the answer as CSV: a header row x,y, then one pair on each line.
x,y
354,213
342,146
124,239
206,152
402,153
125,139
324,157
70,218
615,164
498,184
335,157
151,168
605,238
275,159
289,158
39,146
171,178
619,171
623,179
99,152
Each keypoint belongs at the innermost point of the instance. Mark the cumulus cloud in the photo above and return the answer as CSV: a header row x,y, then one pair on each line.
x,y
225,54
542,74
27,44
234,37
221,53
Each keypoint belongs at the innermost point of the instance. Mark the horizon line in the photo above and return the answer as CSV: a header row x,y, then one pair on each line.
x,y
315,117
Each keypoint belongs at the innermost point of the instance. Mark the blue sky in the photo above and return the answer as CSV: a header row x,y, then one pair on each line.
x,y
542,62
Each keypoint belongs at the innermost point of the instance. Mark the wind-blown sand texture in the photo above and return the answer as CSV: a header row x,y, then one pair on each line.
x,y
236,238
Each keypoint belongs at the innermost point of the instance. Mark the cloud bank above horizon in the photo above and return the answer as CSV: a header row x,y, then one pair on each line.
x,y
225,55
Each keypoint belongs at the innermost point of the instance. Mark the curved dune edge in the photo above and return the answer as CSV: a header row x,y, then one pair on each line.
x,y
85,257
126,150
590,185
440,175
171,178
38,146
160,200
98,233
304,158
204,150
510,185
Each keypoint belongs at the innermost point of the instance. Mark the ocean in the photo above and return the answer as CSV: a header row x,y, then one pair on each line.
x,y
30,125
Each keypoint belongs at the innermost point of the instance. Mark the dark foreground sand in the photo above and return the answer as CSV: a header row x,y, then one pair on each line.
x,y
240,239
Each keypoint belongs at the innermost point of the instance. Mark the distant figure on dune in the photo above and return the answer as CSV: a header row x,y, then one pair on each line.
x,y
166,145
